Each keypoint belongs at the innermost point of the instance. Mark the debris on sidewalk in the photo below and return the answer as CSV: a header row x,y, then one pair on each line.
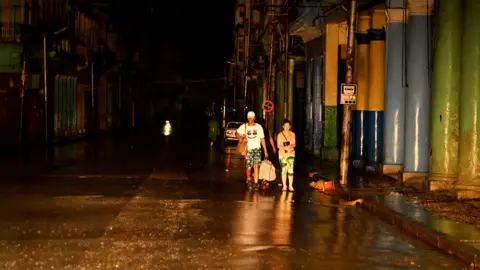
x,y
438,203
352,203
450,208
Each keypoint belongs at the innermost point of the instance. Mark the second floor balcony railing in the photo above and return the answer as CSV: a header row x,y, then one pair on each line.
x,y
12,18
10,32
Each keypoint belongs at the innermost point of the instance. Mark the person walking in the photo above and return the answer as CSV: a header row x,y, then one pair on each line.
x,y
253,133
213,131
286,142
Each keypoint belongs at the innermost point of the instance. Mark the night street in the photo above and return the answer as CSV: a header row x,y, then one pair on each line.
x,y
146,201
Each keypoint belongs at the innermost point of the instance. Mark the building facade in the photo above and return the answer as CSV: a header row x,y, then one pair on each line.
x,y
60,72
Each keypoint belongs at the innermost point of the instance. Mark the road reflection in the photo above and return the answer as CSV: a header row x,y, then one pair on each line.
x,y
282,226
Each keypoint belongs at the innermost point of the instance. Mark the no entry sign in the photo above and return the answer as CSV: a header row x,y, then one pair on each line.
x,y
267,106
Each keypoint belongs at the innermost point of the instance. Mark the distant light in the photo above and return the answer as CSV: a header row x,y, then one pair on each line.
x,y
167,129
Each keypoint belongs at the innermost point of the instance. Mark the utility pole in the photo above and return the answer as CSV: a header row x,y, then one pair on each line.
x,y
45,77
235,75
347,108
22,93
92,97
247,52
271,79
225,89
45,85
285,76
271,68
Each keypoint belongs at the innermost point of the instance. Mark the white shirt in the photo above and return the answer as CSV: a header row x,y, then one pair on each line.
x,y
254,134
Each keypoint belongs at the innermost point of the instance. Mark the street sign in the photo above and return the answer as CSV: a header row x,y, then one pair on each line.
x,y
348,94
267,106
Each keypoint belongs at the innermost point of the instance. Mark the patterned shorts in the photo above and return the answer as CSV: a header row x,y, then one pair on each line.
x,y
254,157
287,163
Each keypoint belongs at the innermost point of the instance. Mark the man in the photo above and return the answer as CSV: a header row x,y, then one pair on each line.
x,y
319,182
253,133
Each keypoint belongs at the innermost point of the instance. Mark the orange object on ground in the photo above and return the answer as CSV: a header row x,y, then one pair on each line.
x,y
330,185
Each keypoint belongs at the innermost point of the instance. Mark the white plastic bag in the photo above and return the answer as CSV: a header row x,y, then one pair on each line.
x,y
267,171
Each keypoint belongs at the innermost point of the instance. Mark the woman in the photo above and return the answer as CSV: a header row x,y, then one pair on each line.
x,y
286,142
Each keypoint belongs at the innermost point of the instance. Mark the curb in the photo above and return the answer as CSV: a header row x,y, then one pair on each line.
x,y
441,241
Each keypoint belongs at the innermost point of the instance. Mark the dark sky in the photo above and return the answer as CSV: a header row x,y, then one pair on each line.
x,y
201,32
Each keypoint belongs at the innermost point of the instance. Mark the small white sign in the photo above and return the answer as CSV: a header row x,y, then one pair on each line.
x,y
348,94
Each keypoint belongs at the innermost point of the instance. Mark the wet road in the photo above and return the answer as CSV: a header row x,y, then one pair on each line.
x,y
153,202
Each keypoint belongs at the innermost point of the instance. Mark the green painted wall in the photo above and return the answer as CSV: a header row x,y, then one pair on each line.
x,y
469,167
330,139
10,54
446,91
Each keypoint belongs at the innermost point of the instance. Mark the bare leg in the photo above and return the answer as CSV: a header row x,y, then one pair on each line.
x,y
284,181
290,180
249,174
255,173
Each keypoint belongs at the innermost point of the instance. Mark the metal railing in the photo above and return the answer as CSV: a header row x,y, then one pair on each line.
x,y
11,20
10,32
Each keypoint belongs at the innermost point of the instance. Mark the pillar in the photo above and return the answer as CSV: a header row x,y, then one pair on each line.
x,y
317,106
308,102
279,101
417,120
361,79
445,96
395,89
376,81
468,185
330,150
291,81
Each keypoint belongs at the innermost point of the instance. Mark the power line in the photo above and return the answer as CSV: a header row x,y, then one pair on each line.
x,y
190,81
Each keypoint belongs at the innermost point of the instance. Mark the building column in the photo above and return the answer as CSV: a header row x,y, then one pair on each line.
x,y
417,124
395,90
445,96
279,100
468,185
361,79
308,102
330,150
376,81
317,106
291,81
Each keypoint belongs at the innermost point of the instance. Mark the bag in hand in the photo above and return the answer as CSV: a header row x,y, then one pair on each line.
x,y
242,144
267,171
242,147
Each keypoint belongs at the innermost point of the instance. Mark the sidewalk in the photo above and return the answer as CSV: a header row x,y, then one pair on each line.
x,y
109,155
451,226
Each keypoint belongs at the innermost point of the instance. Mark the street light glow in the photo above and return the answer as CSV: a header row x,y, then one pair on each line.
x,y
167,129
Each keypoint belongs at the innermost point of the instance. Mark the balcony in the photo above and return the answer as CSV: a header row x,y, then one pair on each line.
x,y
12,17
11,32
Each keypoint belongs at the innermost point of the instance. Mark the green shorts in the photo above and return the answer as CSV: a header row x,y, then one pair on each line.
x,y
254,157
287,163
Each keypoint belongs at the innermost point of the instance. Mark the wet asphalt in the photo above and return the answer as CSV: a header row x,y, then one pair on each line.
x,y
149,201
